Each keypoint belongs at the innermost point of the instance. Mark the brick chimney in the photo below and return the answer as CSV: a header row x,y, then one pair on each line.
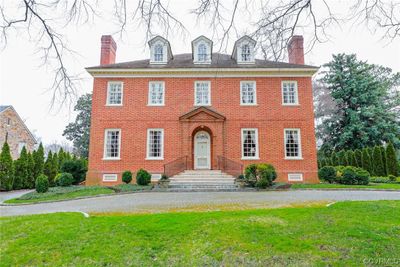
x,y
108,50
296,50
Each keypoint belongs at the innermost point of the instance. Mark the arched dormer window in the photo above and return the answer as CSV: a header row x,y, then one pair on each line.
x,y
158,53
246,53
202,52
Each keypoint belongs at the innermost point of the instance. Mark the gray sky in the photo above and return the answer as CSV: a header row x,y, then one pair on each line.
x,y
24,83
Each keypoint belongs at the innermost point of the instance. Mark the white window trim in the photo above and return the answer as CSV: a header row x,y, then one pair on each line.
x,y
300,156
296,96
105,144
152,53
209,94
149,95
147,144
110,174
295,180
255,94
108,92
257,146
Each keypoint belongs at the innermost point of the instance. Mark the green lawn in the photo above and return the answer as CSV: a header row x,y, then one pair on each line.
x,y
71,192
344,234
327,186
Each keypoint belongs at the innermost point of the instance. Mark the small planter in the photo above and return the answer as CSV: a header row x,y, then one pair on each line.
x,y
163,183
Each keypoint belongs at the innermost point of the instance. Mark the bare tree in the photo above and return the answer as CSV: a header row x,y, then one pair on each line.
x,y
272,24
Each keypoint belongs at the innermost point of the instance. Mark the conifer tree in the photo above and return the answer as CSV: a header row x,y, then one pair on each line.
x,y
377,163
61,157
351,159
391,161
55,162
21,174
383,154
6,168
50,169
30,182
358,156
342,159
334,159
38,158
366,161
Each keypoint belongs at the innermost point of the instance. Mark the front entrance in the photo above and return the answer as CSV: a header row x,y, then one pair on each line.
x,y
202,151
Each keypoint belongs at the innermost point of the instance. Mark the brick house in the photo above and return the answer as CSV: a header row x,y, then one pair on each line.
x,y
201,110
15,132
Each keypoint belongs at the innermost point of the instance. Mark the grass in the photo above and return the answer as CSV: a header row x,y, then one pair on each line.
x,y
338,186
71,192
344,234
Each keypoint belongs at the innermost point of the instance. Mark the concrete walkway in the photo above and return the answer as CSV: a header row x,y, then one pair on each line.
x,y
13,194
169,201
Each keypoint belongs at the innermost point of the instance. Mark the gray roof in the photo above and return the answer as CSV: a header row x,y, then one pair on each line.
x,y
186,61
2,108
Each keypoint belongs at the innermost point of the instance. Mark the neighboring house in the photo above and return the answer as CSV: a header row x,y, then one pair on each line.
x,y
200,110
14,131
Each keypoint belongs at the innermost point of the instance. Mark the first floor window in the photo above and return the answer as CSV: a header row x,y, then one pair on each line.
x,y
156,93
292,143
155,143
114,93
289,93
202,93
248,93
112,143
110,177
249,143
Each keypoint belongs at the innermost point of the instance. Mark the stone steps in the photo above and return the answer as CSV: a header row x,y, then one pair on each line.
x,y
202,180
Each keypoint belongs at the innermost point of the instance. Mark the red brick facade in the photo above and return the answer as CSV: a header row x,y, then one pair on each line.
x,y
269,116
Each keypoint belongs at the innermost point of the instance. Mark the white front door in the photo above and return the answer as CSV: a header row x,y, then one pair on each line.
x,y
202,150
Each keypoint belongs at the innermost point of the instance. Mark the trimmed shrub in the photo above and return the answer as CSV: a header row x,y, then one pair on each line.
x,y
327,173
260,175
64,179
42,184
127,177
391,161
143,177
377,163
250,174
77,168
383,154
354,176
366,160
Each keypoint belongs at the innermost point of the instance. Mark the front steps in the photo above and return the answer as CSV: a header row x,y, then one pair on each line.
x,y
202,180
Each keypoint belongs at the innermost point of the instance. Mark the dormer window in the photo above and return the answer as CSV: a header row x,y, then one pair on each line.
x,y
243,51
246,53
202,50
158,53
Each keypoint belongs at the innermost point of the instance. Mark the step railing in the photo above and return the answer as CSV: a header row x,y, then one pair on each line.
x,y
176,166
229,166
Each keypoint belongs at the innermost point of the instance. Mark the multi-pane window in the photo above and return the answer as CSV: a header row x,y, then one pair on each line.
x,y
114,93
248,93
156,93
202,94
158,53
289,93
246,53
155,143
112,143
292,143
202,52
249,143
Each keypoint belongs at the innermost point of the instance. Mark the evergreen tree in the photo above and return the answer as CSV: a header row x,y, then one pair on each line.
x,y
391,161
50,170
6,168
377,163
342,159
61,157
358,156
351,159
30,181
21,174
383,154
55,162
38,158
334,159
366,161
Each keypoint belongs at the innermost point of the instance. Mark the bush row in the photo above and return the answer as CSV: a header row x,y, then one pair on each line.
x,y
344,175
143,177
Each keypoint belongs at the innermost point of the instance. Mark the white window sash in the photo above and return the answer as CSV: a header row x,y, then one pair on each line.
x,y
243,130
299,154
242,84
109,85
296,93
196,89
150,95
161,157
105,156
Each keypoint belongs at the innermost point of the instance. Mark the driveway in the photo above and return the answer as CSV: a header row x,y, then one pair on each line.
x,y
13,194
170,201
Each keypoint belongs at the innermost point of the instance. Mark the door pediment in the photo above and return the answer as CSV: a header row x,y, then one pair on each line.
x,y
202,114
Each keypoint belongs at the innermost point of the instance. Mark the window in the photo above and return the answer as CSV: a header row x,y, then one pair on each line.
x,y
114,94
246,53
110,177
155,143
156,94
292,144
249,144
248,93
158,53
20,146
112,143
202,94
295,177
8,121
289,93
202,52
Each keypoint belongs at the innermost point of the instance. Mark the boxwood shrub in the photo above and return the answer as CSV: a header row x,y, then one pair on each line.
x,y
260,175
127,177
352,176
64,179
143,177
42,184
327,173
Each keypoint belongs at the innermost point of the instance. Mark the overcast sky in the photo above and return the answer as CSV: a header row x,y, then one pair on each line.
x,y
24,83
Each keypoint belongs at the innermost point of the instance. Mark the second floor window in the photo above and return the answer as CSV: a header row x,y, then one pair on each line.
x,y
246,53
158,53
248,93
202,52
114,94
156,94
289,93
202,94
112,143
